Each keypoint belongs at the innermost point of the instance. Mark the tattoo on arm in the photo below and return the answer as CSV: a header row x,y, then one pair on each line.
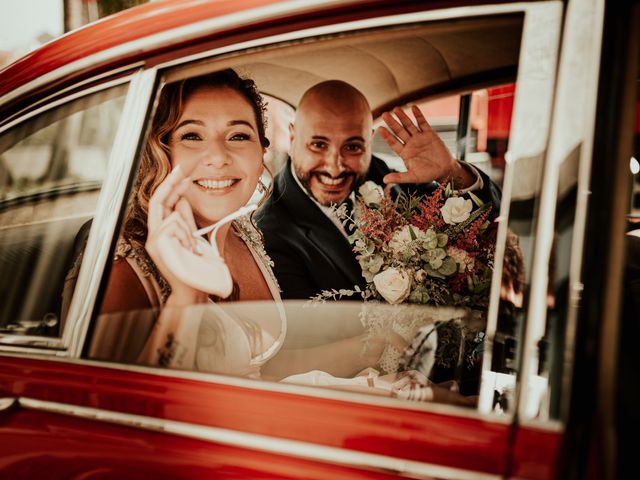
x,y
167,351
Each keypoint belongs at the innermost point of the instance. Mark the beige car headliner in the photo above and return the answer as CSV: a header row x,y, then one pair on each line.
x,y
389,65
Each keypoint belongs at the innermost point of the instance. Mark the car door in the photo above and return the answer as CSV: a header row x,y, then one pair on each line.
x,y
181,423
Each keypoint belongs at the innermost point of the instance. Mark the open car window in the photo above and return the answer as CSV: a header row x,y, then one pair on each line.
x,y
466,89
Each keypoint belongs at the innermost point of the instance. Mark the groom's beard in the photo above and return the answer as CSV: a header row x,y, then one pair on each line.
x,y
313,179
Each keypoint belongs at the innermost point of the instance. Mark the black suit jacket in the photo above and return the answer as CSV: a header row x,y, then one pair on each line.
x,y
309,252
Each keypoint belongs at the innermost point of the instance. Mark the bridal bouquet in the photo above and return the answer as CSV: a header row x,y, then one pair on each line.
x,y
431,249
424,251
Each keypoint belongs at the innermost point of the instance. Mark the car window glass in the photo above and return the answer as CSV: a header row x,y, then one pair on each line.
x,y
333,340
51,169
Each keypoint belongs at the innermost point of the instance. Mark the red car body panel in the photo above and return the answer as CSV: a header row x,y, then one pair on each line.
x,y
67,447
458,442
500,105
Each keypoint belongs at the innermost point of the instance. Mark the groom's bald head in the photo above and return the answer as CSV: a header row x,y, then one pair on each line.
x,y
331,140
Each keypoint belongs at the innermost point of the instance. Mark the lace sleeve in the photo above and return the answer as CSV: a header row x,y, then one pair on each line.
x,y
253,238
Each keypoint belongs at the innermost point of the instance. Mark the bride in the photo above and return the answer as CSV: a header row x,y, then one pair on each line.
x,y
188,248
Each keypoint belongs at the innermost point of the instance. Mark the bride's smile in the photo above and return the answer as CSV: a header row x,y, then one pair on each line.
x,y
217,185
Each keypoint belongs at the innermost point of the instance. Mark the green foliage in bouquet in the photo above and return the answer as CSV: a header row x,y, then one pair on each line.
x,y
434,249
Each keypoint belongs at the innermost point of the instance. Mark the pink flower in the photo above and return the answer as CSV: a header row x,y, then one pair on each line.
x,y
462,258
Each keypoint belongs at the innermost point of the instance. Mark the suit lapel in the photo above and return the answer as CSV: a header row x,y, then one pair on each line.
x,y
318,228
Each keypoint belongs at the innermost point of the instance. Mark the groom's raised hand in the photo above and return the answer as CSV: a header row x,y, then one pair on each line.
x,y
424,153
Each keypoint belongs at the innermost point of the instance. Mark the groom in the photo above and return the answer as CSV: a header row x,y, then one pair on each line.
x,y
330,156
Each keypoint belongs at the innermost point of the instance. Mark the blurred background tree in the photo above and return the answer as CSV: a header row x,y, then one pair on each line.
x,y
81,12
107,7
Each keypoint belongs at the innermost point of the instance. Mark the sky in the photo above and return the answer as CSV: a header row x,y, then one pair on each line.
x,y
22,21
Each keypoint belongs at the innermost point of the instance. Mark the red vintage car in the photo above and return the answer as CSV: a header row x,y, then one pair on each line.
x,y
538,94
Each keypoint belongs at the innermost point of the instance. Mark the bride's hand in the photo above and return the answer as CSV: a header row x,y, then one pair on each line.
x,y
173,248
169,226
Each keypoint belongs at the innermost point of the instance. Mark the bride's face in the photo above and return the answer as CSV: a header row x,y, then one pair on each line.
x,y
217,145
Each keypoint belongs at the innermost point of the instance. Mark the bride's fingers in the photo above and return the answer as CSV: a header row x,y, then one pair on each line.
x,y
175,231
163,190
155,216
175,194
401,383
184,208
184,232
157,210
165,197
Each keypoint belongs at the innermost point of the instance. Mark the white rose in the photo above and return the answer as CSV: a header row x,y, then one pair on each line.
x,y
456,210
371,192
393,284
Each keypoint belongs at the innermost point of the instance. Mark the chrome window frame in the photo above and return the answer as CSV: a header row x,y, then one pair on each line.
x,y
572,126
534,94
123,156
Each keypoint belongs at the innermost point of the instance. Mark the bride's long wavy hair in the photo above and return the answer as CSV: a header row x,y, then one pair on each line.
x,y
155,161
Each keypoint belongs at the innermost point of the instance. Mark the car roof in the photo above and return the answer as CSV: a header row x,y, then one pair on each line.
x,y
160,31
129,36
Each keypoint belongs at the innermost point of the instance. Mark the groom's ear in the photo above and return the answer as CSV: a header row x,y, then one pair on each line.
x,y
291,134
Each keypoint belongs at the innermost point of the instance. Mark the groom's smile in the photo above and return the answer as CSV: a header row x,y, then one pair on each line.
x,y
327,189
